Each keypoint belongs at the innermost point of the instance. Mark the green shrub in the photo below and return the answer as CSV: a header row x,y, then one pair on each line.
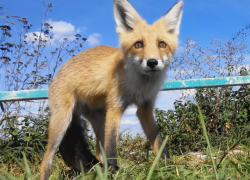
x,y
226,113
24,136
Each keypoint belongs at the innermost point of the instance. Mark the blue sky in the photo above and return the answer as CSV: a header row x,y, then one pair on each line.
x,y
201,19
94,20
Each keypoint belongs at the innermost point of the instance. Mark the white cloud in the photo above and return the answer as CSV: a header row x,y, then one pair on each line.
x,y
132,124
165,99
33,36
129,122
94,39
131,111
61,30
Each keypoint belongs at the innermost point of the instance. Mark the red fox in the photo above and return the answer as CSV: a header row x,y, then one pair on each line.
x,y
101,82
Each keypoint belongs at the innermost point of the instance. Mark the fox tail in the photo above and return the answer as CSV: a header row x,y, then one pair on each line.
x,y
74,147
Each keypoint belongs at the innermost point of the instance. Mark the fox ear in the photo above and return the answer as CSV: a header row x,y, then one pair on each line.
x,y
172,19
126,16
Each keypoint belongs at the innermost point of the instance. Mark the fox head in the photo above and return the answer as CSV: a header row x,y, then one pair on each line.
x,y
149,48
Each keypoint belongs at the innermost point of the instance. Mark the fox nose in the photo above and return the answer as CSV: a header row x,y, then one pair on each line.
x,y
152,63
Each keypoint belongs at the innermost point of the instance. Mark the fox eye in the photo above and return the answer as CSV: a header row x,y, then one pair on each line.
x,y
162,44
138,44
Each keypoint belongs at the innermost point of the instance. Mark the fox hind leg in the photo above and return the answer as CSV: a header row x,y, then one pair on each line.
x,y
106,135
56,131
96,117
58,125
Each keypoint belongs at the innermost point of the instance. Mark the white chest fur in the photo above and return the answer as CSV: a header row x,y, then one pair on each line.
x,y
141,88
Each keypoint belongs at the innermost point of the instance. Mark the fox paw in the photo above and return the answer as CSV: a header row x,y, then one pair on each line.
x,y
114,169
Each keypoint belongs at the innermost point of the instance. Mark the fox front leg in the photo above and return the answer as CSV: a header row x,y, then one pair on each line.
x,y
112,122
145,115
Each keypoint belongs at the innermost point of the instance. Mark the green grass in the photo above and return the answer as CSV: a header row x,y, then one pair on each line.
x,y
207,140
216,165
178,167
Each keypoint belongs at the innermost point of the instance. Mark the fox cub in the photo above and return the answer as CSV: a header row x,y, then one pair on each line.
x,y
101,82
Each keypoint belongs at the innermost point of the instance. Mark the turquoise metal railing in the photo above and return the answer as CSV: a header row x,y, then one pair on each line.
x,y
168,85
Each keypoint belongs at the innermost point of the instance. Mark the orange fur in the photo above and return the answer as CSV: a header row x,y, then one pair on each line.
x,y
101,82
